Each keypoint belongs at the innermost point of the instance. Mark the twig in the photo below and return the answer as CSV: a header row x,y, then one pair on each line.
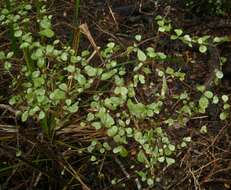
x,y
74,174
122,168
138,184
37,179
113,16
206,165
84,29
196,183
9,108
9,128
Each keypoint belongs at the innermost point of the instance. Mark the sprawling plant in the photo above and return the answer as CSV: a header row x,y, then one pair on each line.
x,y
132,95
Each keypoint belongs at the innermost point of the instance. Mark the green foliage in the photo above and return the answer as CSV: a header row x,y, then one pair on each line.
x,y
55,83
209,7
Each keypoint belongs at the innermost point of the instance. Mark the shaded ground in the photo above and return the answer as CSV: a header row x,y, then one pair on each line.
x,y
206,164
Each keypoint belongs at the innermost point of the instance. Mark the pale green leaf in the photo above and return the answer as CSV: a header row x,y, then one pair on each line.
x,y
170,161
141,55
41,115
202,48
47,33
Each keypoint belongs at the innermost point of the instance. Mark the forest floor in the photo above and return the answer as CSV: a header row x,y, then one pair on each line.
x,y
205,164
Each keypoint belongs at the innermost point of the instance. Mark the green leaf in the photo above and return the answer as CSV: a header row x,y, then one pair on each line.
x,y
150,182
7,65
64,56
203,102
221,39
170,161
24,116
111,45
41,62
129,131
187,139
186,109
108,75
56,42
74,59
138,110
121,150
81,79
34,110
13,100
161,55
223,115
73,108
219,74
173,37
38,53
71,68
201,88
41,115
57,95
102,150
202,48
24,45
116,149
18,153
2,55
93,158
106,119
9,55
138,38
141,79
208,94
178,32
226,106
201,110
112,131
183,144
106,146
18,33
169,71
141,55
225,98
203,129
141,157
90,117
160,21
68,102
45,23
91,71
215,99
28,7
97,125
151,52
155,107
162,29
200,40
113,102
38,82
63,87
138,135
47,33
187,38
161,159
121,90
171,147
